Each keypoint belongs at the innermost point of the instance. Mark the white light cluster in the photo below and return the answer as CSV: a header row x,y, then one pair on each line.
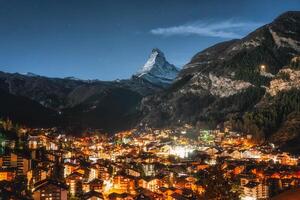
x,y
181,151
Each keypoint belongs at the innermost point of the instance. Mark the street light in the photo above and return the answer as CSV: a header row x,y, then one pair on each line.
x,y
263,68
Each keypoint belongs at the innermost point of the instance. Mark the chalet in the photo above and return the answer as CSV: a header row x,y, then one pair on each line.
x,y
21,162
132,172
7,174
94,172
186,183
93,195
147,194
50,189
96,185
69,168
35,175
72,180
254,189
122,196
124,183
152,184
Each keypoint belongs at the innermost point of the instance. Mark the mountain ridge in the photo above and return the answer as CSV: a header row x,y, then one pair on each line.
x,y
85,99
207,92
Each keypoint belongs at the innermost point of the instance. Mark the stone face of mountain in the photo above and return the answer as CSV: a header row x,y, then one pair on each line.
x,y
228,78
286,80
158,70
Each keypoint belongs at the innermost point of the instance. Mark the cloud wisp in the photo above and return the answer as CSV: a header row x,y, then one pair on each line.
x,y
222,29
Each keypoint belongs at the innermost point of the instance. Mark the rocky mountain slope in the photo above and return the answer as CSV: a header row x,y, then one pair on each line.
x,y
228,79
277,115
109,105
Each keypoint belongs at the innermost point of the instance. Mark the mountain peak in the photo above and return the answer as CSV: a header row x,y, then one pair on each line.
x,y
158,51
156,58
157,69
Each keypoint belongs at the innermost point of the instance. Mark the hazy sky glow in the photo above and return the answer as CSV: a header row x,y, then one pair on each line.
x,y
110,39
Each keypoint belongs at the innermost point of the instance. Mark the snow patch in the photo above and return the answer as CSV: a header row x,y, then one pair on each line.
x,y
157,70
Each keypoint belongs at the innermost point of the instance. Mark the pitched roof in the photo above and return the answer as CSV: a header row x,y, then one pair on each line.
x,y
91,194
251,184
96,181
122,195
46,182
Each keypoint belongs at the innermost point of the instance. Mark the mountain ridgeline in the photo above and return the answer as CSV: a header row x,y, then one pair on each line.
x,y
233,82
40,101
250,84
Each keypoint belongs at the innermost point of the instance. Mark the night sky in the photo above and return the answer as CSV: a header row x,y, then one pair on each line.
x,y
112,39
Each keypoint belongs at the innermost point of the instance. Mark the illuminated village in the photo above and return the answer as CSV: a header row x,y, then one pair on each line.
x,y
174,164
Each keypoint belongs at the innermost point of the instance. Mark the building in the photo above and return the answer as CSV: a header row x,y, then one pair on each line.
x,y
69,168
7,174
96,185
124,183
93,173
93,195
50,189
72,181
149,169
21,162
254,189
152,184
35,175
122,196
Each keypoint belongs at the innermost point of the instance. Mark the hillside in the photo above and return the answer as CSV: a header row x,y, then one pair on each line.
x,y
227,80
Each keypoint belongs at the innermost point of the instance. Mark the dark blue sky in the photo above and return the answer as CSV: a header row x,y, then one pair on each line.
x,y
112,39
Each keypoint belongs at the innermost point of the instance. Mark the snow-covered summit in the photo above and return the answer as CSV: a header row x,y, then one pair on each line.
x,y
157,69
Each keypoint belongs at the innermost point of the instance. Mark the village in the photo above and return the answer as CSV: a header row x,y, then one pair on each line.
x,y
174,164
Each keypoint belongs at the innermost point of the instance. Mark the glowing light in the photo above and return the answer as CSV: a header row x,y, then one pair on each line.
x,y
263,67
248,198
108,185
180,151
211,162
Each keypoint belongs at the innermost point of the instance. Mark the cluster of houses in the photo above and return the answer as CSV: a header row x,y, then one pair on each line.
x,y
148,164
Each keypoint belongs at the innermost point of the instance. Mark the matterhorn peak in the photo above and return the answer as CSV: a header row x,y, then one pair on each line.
x,y
157,69
156,57
157,50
